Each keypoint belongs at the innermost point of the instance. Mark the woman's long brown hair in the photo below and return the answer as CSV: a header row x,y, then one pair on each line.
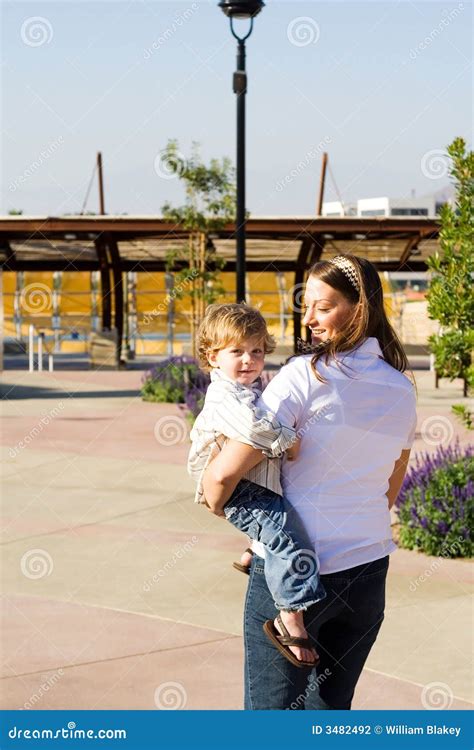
x,y
369,319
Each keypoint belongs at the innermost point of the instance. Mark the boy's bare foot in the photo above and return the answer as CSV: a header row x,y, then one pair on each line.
x,y
246,558
294,623
245,561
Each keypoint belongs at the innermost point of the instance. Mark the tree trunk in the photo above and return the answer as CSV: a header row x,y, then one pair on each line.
x,y
202,271
192,265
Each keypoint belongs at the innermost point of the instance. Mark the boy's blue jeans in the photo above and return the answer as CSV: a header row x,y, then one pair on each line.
x,y
291,565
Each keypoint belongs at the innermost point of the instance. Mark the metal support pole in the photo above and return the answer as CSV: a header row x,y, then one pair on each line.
x,y
169,281
310,252
240,89
114,259
20,283
322,181
281,285
126,318
105,289
40,352
95,285
132,314
57,283
31,348
101,183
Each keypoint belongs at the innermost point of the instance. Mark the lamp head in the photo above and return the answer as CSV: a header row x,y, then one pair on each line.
x,y
241,8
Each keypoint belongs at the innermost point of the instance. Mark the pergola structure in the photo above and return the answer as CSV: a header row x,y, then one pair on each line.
x,y
116,244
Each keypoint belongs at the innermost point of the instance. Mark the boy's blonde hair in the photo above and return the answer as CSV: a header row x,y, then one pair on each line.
x,y
230,323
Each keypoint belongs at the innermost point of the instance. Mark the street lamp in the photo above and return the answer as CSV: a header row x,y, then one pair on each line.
x,y
240,9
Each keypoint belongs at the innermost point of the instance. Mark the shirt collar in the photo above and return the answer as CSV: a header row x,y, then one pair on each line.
x,y
217,374
370,346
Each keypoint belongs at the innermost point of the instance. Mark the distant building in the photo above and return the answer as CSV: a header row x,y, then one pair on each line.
x,y
336,208
428,205
396,207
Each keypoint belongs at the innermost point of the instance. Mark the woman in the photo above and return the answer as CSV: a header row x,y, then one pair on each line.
x,y
355,413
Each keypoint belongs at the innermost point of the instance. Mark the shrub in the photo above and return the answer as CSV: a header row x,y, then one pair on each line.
x,y
435,504
166,382
464,414
195,394
450,298
177,380
453,354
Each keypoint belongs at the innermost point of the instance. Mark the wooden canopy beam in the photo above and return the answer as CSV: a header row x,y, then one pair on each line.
x,y
310,252
125,227
150,266
411,244
114,256
105,290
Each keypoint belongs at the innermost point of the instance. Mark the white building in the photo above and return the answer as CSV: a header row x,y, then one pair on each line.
x,y
428,205
336,208
396,206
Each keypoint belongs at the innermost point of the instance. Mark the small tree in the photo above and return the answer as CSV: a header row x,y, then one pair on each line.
x,y
450,297
210,204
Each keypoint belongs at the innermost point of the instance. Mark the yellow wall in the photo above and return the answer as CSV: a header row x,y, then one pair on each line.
x,y
75,306
9,286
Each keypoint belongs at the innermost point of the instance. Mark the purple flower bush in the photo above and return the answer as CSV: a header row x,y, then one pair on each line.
x,y
195,393
435,505
176,380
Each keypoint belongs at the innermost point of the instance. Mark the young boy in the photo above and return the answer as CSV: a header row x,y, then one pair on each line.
x,y
233,341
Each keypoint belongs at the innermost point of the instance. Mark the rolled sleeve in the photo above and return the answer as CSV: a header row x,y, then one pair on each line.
x,y
284,441
238,418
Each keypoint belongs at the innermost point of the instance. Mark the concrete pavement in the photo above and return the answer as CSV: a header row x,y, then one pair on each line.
x,y
118,591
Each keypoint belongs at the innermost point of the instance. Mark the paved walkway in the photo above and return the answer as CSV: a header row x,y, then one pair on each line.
x,y
118,591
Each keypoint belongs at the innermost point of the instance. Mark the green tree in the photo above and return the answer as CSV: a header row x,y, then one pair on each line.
x,y
450,297
209,205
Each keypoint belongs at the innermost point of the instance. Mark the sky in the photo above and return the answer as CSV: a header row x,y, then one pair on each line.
x,y
382,87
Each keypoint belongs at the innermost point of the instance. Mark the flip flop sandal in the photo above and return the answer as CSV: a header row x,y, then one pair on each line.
x,y
243,568
283,641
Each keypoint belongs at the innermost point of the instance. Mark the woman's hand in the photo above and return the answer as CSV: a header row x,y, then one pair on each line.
x,y
293,451
226,470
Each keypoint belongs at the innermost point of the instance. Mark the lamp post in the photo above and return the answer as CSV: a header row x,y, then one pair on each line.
x,y
240,9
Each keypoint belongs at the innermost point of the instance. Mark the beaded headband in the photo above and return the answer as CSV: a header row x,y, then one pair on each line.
x,y
348,269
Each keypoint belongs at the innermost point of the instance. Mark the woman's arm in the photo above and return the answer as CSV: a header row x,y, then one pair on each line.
x,y
225,471
398,475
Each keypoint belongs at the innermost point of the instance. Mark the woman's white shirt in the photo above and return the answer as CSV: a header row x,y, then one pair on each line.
x,y
353,429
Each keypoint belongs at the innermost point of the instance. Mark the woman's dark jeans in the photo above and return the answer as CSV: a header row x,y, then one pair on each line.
x,y
344,627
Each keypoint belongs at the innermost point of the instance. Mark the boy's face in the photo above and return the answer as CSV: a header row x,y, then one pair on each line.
x,y
242,362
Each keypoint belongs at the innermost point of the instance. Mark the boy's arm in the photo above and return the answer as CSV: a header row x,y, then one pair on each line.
x,y
224,473
236,416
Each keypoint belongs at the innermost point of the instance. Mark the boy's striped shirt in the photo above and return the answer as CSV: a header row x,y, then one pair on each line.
x,y
229,412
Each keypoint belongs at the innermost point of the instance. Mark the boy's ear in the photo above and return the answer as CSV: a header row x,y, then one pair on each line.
x,y
212,358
